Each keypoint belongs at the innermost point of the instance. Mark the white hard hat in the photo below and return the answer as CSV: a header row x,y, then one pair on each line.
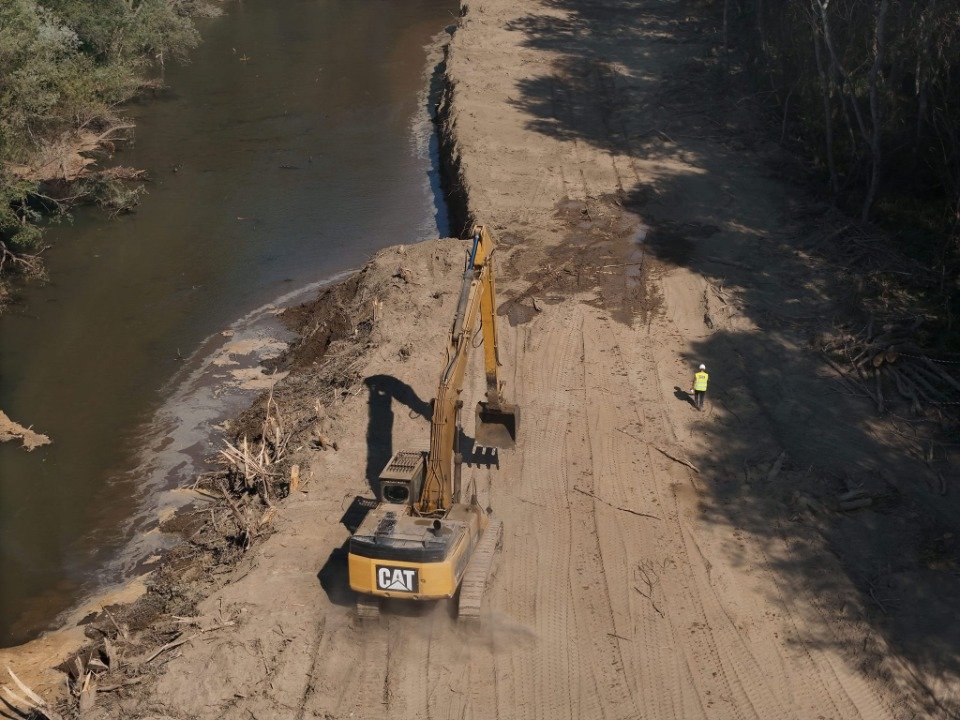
x,y
702,366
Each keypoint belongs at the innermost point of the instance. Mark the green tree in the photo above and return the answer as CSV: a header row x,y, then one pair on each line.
x,y
65,65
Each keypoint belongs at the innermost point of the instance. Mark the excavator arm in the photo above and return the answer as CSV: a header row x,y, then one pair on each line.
x,y
496,420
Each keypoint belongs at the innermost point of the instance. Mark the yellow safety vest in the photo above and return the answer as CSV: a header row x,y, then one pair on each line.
x,y
700,381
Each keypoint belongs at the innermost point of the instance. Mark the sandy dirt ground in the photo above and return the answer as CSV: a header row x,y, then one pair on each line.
x,y
657,562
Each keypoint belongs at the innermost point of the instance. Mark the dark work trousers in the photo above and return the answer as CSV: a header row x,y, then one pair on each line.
x,y
698,398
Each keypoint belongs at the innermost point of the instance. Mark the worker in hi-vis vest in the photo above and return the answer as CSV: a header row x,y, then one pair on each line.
x,y
700,386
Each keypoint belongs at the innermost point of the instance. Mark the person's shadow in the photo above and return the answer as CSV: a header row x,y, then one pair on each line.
x,y
681,394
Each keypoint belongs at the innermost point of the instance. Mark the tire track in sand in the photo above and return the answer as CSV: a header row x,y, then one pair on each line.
x,y
763,672
646,643
551,678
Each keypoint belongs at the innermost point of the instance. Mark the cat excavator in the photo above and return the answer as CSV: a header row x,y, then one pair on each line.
x,y
423,541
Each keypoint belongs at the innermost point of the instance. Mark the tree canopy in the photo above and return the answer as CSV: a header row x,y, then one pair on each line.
x,y
64,67
869,91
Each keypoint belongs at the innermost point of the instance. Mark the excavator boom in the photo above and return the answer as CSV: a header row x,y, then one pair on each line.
x,y
496,420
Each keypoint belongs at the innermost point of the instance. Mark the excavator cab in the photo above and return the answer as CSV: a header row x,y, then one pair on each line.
x,y
497,425
402,478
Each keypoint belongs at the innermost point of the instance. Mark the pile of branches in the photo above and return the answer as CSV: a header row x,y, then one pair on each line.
x,y
889,361
251,477
26,702
110,668
884,279
24,263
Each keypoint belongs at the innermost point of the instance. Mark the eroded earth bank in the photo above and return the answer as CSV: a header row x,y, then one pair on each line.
x,y
657,563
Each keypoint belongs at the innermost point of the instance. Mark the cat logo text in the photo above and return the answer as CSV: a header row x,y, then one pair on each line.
x,y
397,579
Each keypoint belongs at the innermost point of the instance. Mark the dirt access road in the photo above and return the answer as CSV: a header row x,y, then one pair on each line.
x,y
642,231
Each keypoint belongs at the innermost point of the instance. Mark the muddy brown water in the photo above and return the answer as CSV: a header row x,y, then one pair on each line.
x,y
294,144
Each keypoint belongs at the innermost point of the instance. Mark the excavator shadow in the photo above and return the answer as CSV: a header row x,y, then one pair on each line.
x,y
334,579
480,456
383,390
356,512
333,575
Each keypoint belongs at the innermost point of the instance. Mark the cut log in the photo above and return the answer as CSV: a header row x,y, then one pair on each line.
x,y
857,504
776,467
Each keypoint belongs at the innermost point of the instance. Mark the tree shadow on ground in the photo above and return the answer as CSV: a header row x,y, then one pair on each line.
x,y
641,81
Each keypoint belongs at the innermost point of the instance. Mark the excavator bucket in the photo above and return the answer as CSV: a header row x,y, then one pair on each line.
x,y
497,426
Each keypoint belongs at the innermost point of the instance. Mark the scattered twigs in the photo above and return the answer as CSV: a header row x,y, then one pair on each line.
x,y
676,459
939,373
646,576
206,493
27,264
121,629
731,263
120,686
245,535
664,452
891,358
169,646
846,379
854,500
615,507
182,641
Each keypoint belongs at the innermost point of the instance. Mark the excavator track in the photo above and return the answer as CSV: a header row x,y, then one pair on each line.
x,y
475,577
368,608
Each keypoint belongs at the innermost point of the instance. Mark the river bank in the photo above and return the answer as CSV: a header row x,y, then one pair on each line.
x,y
67,66
730,583
367,312
288,151
93,359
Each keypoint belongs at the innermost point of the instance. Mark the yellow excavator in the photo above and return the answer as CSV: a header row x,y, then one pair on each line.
x,y
421,541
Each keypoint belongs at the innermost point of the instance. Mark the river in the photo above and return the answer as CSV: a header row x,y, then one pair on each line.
x,y
293,145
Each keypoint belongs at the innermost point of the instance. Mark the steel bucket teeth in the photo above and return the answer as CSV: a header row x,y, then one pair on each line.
x,y
497,427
